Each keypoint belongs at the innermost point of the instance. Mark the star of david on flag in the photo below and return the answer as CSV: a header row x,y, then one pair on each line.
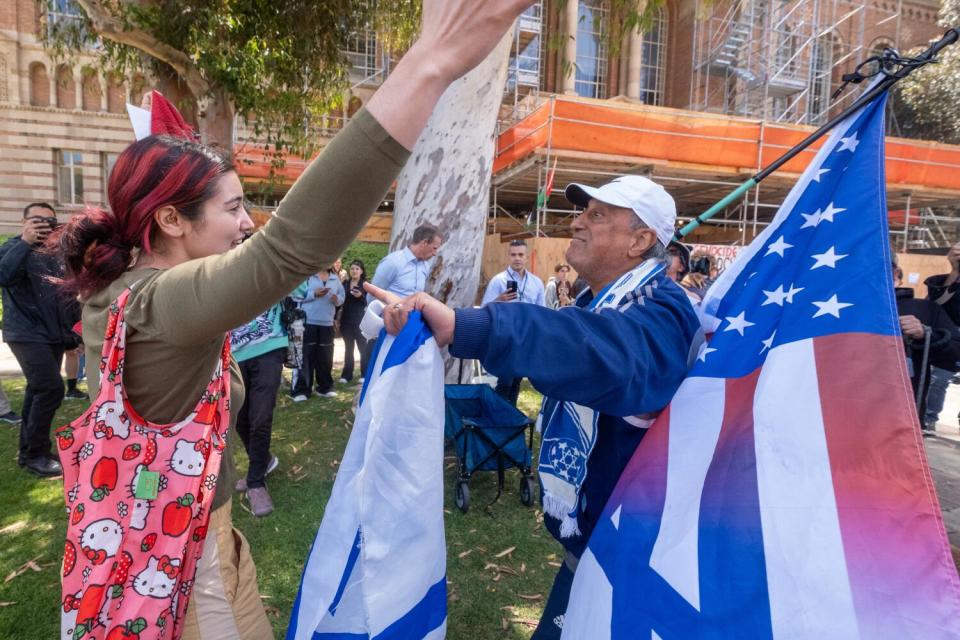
x,y
784,493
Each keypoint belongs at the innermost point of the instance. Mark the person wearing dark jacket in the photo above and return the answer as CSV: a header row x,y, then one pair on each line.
x,y
607,365
931,339
351,313
36,328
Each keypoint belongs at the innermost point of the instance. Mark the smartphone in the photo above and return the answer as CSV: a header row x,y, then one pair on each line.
x,y
511,286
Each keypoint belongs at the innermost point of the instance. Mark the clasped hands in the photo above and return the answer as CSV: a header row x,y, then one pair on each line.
x,y
438,316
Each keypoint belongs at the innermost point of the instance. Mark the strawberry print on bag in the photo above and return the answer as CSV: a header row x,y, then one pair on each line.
x,y
138,504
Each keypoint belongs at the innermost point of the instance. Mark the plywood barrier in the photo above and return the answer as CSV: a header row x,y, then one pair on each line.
x,y
917,267
544,254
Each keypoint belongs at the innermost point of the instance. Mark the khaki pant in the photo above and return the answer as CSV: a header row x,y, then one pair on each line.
x,y
225,603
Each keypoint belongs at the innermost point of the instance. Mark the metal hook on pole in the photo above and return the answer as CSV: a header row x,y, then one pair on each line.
x,y
894,68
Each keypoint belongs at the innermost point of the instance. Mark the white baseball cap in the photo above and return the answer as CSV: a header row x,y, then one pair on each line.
x,y
646,198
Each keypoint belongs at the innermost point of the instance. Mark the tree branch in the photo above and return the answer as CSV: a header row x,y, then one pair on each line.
x,y
109,26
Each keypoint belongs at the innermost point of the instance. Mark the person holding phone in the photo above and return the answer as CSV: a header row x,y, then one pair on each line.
x,y
351,313
319,297
37,329
514,284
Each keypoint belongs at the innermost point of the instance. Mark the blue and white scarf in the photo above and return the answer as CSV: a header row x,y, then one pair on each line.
x,y
570,429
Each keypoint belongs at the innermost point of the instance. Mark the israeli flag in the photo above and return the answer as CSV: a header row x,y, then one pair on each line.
x,y
377,569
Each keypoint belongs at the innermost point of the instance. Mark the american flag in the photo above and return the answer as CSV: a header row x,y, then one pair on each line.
x,y
784,493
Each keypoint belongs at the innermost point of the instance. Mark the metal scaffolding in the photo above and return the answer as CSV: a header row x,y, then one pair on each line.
x,y
524,71
778,60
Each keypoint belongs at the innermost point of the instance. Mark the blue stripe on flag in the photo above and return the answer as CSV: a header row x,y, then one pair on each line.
x,y
373,363
414,334
295,615
351,561
426,615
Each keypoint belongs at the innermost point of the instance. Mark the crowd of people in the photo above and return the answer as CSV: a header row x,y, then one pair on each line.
x,y
173,280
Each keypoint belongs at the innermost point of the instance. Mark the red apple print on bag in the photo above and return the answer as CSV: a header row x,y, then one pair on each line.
x,y
130,629
103,479
88,613
177,516
100,540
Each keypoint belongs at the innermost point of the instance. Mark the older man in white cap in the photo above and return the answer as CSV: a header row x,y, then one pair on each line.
x,y
606,366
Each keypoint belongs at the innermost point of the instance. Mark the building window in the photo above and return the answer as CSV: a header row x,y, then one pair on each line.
x,y
591,67
39,85
69,177
653,62
524,68
64,16
361,52
107,162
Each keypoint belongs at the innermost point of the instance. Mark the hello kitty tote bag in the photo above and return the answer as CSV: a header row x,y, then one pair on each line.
x,y
138,501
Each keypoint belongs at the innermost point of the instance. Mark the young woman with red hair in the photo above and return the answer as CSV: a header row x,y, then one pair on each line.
x,y
172,238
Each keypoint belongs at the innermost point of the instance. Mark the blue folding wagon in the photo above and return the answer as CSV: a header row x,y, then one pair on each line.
x,y
488,434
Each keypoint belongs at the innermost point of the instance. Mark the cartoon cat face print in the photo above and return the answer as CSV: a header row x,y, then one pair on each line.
x,y
158,579
141,509
101,539
111,422
187,459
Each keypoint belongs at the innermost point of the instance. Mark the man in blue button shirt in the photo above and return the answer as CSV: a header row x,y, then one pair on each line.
x,y
405,272
619,353
514,284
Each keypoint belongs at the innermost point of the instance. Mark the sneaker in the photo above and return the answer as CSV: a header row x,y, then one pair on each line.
x,y
274,463
241,485
11,418
329,394
300,398
260,503
44,467
343,381
75,394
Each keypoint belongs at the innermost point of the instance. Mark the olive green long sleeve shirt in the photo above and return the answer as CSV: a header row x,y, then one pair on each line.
x,y
177,318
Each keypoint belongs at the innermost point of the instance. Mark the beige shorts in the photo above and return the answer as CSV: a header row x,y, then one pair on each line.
x,y
225,603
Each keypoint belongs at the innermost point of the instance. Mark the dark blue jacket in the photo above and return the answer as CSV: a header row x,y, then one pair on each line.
x,y
620,363
34,309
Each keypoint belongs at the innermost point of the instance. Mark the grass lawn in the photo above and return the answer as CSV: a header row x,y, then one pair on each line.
x,y
500,561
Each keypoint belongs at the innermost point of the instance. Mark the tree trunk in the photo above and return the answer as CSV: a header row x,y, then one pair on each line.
x,y
215,117
446,182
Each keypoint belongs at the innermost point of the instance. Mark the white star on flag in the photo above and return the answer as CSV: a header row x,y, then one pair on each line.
x,y
820,173
704,352
810,219
738,323
829,212
777,296
830,307
768,343
778,247
828,258
792,292
848,144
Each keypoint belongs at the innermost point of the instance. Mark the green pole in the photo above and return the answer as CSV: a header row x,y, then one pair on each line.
x,y
712,211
